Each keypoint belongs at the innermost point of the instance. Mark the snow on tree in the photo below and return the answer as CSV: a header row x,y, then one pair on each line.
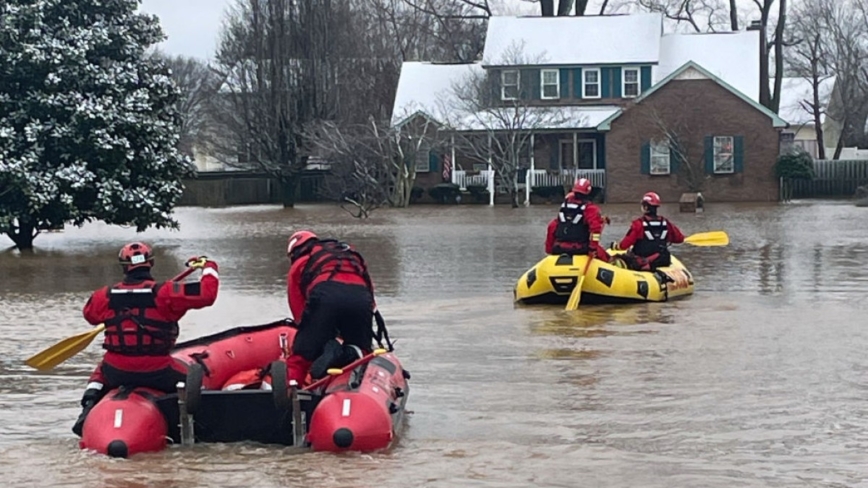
x,y
88,121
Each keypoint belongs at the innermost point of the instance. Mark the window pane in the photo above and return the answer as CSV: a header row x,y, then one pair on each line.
x,y
592,90
631,90
723,160
550,77
550,91
510,77
510,91
659,165
631,76
591,76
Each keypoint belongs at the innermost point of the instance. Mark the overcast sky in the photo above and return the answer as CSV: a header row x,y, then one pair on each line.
x,y
193,25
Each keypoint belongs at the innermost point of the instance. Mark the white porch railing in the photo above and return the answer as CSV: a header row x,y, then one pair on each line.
x,y
542,177
463,180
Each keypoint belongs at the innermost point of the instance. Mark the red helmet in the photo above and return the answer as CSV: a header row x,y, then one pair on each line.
x,y
583,186
651,199
135,255
299,239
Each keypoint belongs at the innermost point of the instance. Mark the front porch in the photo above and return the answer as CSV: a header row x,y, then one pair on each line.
x,y
556,159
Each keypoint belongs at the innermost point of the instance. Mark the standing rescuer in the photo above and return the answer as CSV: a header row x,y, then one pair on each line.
x,y
649,236
330,294
578,226
141,325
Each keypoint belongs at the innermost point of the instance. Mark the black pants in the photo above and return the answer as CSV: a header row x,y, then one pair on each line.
x,y
163,379
335,309
647,263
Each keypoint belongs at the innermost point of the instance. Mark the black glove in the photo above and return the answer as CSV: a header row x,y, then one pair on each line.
x,y
91,397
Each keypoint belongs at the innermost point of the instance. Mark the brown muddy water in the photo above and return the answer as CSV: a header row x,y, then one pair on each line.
x,y
759,379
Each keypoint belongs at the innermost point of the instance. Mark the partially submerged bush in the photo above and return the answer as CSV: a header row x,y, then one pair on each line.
x,y
796,165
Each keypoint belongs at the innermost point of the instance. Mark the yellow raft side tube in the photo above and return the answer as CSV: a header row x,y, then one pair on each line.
x,y
553,278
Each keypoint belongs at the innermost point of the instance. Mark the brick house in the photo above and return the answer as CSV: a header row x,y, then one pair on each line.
x,y
616,96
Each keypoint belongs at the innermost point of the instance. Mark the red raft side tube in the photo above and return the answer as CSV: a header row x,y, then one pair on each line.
x,y
361,414
128,422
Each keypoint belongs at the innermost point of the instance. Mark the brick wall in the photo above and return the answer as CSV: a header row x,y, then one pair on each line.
x,y
702,108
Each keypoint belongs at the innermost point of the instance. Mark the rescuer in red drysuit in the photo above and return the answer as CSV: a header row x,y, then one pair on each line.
x,y
650,236
330,293
141,325
578,226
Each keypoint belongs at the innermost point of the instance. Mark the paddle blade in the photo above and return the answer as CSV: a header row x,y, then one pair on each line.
x,y
576,295
713,238
63,350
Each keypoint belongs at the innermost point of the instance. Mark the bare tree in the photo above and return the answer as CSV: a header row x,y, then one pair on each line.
x,y
279,60
808,58
848,59
374,160
457,27
198,84
495,130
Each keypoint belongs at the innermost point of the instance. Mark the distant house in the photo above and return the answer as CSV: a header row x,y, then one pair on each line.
x,y
634,106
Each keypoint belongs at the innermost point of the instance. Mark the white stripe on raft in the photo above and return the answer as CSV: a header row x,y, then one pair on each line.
x,y
211,272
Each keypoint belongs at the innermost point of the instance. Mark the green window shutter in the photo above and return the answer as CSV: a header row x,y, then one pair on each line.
x,y
674,159
645,78
432,161
646,158
565,82
495,81
738,154
605,80
530,84
577,82
616,82
709,154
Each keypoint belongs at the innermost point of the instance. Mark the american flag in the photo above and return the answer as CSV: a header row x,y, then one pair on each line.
x,y
447,167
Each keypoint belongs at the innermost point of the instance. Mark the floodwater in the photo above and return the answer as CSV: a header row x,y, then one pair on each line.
x,y
759,379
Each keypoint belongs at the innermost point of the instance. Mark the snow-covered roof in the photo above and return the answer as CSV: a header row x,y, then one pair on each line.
x,y
733,57
794,91
539,120
574,40
426,87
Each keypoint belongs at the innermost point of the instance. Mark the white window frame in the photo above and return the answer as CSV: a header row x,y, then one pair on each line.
x,y
426,152
598,83
556,84
717,151
661,151
504,86
638,82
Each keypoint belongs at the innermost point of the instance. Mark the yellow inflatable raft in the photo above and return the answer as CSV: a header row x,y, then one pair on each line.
x,y
554,277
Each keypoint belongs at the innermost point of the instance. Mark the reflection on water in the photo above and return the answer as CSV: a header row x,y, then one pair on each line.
x,y
756,380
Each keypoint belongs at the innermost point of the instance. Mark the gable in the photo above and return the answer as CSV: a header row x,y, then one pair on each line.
x,y
693,71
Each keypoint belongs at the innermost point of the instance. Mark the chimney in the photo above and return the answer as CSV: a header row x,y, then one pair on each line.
x,y
755,25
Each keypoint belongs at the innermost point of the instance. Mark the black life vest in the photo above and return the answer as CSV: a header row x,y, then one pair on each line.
x,y
330,257
137,318
656,230
572,233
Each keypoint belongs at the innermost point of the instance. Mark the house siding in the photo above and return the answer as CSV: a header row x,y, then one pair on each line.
x,y
705,109
571,85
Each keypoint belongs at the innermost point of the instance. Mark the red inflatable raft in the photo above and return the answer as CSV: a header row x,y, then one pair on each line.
x,y
230,397
126,422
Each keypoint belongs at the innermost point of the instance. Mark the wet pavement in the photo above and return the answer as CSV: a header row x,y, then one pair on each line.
x,y
756,380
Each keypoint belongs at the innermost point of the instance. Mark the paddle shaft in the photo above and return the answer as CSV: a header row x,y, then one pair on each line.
x,y
576,295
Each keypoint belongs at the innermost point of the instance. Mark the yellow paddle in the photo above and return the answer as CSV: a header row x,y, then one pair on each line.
x,y
69,347
576,295
713,238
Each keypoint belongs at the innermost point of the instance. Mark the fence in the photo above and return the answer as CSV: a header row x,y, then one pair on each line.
x,y
832,178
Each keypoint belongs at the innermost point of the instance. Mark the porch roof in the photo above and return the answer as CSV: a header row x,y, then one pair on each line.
x,y
567,118
777,122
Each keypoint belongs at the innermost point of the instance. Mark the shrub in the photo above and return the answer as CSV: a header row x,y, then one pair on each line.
x,y
445,192
797,165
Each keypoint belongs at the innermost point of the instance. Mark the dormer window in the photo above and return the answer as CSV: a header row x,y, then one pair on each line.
x,y
591,85
509,84
630,83
551,84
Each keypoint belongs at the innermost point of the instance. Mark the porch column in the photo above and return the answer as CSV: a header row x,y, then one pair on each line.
x,y
454,163
575,156
490,175
528,183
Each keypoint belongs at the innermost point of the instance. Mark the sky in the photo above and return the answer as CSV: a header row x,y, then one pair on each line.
x,y
192,26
